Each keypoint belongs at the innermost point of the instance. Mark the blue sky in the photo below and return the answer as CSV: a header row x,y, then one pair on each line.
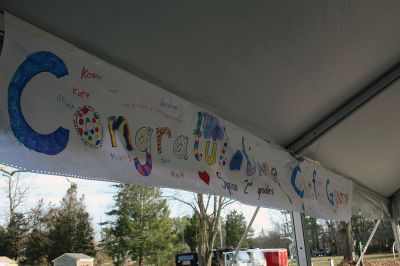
x,y
99,199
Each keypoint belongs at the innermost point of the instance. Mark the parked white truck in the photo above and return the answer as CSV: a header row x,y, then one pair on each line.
x,y
242,258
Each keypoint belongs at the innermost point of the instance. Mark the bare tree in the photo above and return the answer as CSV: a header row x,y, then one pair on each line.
x,y
347,240
332,228
208,208
16,190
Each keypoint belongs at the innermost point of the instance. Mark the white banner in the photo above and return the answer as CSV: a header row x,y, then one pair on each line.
x,y
65,112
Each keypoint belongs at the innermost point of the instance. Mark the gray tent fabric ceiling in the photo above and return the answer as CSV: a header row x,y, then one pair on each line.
x,y
275,68
366,146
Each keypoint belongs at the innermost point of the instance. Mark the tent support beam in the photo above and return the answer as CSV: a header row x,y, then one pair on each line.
x,y
395,219
244,235
303,256
396,233
345,110
368,242
366,192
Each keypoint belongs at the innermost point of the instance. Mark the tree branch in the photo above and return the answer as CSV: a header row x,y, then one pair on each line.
x,y
190,204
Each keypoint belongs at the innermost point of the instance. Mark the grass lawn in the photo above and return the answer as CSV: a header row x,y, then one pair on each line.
x,y
323,261
374,259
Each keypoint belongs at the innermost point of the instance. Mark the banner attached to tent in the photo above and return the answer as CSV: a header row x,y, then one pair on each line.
x,y
65,112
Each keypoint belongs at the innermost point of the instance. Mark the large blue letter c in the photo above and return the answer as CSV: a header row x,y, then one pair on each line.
x,y
36,63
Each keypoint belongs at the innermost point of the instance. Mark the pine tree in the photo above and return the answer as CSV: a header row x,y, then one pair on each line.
x,y
71,230
15,236
191,232
3,244
117,238
38,242
179,226
235,226
314,230
142,228
12,237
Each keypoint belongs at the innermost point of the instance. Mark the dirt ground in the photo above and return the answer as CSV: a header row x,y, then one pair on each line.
x,y
369,260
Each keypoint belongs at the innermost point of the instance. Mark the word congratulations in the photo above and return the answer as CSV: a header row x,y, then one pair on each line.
x,y
210,136
89,124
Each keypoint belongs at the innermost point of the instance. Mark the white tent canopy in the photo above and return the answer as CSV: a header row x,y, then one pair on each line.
x,y
276,68
316,77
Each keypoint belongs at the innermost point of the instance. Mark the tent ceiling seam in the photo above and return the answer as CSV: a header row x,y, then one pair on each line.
x,y
395,198
370,194
345,110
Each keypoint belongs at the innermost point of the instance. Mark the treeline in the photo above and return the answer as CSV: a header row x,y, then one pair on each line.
x,y
43,234
330,234
139,229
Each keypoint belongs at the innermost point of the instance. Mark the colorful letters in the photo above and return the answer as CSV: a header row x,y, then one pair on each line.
x,y
160,132
120,124
180,147
197,134
143,142
329,195
250,167
35,64
211,159
298,191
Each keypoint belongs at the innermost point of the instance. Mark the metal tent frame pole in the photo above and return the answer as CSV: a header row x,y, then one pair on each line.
x,y
368,242
395,219
396,232
244,235
303,255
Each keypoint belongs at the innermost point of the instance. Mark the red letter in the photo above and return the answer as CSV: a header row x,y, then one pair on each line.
x,y
84,72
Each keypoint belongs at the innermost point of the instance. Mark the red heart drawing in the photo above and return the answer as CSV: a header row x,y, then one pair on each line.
x,y
205,177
